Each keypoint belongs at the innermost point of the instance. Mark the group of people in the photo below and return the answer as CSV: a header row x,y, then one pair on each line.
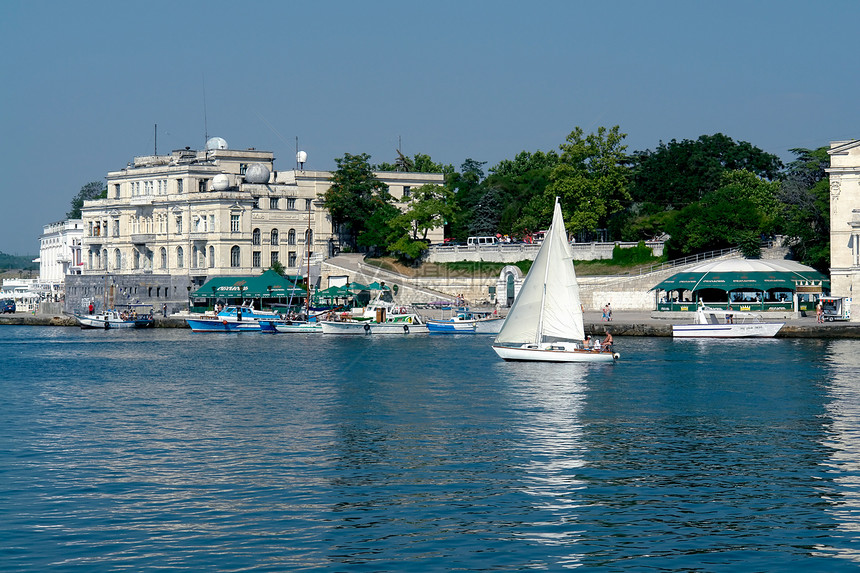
x,y
595,344
607,312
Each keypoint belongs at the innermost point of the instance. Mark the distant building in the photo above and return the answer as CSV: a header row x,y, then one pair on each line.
x,y
172,222
60,250
844,217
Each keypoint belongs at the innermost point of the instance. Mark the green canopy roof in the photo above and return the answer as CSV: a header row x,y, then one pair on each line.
x,y
376,286
269,285
334,292
743,274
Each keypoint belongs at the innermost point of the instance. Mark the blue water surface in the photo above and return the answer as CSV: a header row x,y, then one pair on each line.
x,y
164,449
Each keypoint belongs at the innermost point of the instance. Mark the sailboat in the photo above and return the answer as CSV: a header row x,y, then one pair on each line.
x,y
545,321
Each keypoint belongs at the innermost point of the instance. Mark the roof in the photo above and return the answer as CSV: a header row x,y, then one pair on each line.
x,y
268,284
739,274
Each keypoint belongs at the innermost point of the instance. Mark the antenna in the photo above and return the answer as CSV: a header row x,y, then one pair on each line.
x,y
205,123
155,150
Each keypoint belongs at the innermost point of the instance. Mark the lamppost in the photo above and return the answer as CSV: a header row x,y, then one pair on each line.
x,y
188,288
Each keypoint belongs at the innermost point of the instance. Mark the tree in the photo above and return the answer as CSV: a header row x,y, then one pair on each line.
x,y
805,207
354,196
90,191
278,267
679,173
428,208
737,213
590,178
420,163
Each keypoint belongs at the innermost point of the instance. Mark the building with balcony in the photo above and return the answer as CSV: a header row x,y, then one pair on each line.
x,y
171,222
60,251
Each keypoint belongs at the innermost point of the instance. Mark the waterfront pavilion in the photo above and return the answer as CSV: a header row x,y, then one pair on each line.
x,y
268,288
743,284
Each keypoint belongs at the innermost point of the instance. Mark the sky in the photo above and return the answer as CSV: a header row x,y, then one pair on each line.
x,y
83,84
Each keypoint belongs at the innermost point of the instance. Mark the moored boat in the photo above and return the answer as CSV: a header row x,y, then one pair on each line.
x,y
467,322
115,319
231,319
719,323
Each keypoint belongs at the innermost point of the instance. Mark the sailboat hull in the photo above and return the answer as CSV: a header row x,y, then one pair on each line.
x,y
554,352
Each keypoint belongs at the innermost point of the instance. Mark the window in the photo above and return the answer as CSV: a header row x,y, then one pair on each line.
x,y
179,225
194,257
274,258
291,237
136,259
309,237
255,259
291,259
406,192
201,185
255,202
116,191
104,259
308,204
211,257
234,256
243,167
179,185
118,259
179,262
291,203
234,223
274,236
116,227
211,223
255,237
273,203
163,258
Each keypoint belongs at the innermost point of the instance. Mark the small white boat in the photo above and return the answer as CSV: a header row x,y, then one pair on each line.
x,y
467,322
408,323
297,326
720,323
114,319
545,321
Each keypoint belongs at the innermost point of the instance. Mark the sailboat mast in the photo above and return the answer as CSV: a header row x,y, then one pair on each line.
x,y
308,255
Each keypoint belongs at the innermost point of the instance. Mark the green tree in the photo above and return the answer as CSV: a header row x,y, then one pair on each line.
x,y
428,208
420,163
590,178
354,196
805,207
90,191
680,173
278,267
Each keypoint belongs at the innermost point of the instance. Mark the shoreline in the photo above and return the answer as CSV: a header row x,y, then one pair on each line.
x,y
625,323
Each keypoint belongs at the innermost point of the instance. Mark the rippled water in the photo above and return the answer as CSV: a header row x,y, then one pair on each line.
x,y
167,449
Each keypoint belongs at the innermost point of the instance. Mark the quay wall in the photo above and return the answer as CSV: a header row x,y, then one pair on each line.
x,y
513,252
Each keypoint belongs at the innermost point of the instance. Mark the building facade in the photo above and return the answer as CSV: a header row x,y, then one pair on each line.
x,y
60,251
844,174
171,222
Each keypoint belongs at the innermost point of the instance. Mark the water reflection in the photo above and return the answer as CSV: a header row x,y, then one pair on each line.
x,y
843,442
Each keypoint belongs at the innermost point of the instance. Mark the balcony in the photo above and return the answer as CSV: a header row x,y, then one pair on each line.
x,y
142,238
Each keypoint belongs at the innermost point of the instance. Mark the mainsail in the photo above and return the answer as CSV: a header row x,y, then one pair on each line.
x,y
548,307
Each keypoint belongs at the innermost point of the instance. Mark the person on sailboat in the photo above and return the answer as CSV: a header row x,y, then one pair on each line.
x,y
607,342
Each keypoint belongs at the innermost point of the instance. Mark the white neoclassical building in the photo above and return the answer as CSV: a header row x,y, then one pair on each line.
x,y
171,222
60,250
844,174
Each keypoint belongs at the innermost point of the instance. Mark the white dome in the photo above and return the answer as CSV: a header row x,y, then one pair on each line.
x,y
220,182
216,143
257,173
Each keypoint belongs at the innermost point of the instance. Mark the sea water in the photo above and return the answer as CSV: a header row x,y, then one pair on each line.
x,y
164,449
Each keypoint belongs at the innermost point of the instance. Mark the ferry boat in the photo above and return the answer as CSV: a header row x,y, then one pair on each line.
x,y
719,323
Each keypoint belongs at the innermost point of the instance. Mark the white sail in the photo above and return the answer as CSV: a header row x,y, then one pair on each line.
x,y
548,307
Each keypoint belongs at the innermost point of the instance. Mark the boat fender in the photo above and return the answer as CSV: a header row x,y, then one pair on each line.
x,y
224,322
402,310
406,328
616,356
107,325
367,329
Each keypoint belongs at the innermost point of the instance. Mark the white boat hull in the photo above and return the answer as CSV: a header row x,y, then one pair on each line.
x,y
306,327
110,321
367,328
749,330
552,352
489,325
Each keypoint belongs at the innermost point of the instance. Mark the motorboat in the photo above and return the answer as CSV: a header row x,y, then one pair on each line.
x,y
115,319
467,322
231,319
721,323
398,321
545,322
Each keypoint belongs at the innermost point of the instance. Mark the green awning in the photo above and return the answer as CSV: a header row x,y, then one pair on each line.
x,y
739,280
267,285
334,292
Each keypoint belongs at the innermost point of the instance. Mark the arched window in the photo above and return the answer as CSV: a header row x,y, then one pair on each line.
x,y
179,262
291,237
117,259
211,257
163,258
255,237
193,257
201,261
234,256
274,236
104,259
136,259
309,237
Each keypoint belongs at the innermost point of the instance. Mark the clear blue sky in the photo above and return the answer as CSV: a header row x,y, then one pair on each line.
x,y
82,84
